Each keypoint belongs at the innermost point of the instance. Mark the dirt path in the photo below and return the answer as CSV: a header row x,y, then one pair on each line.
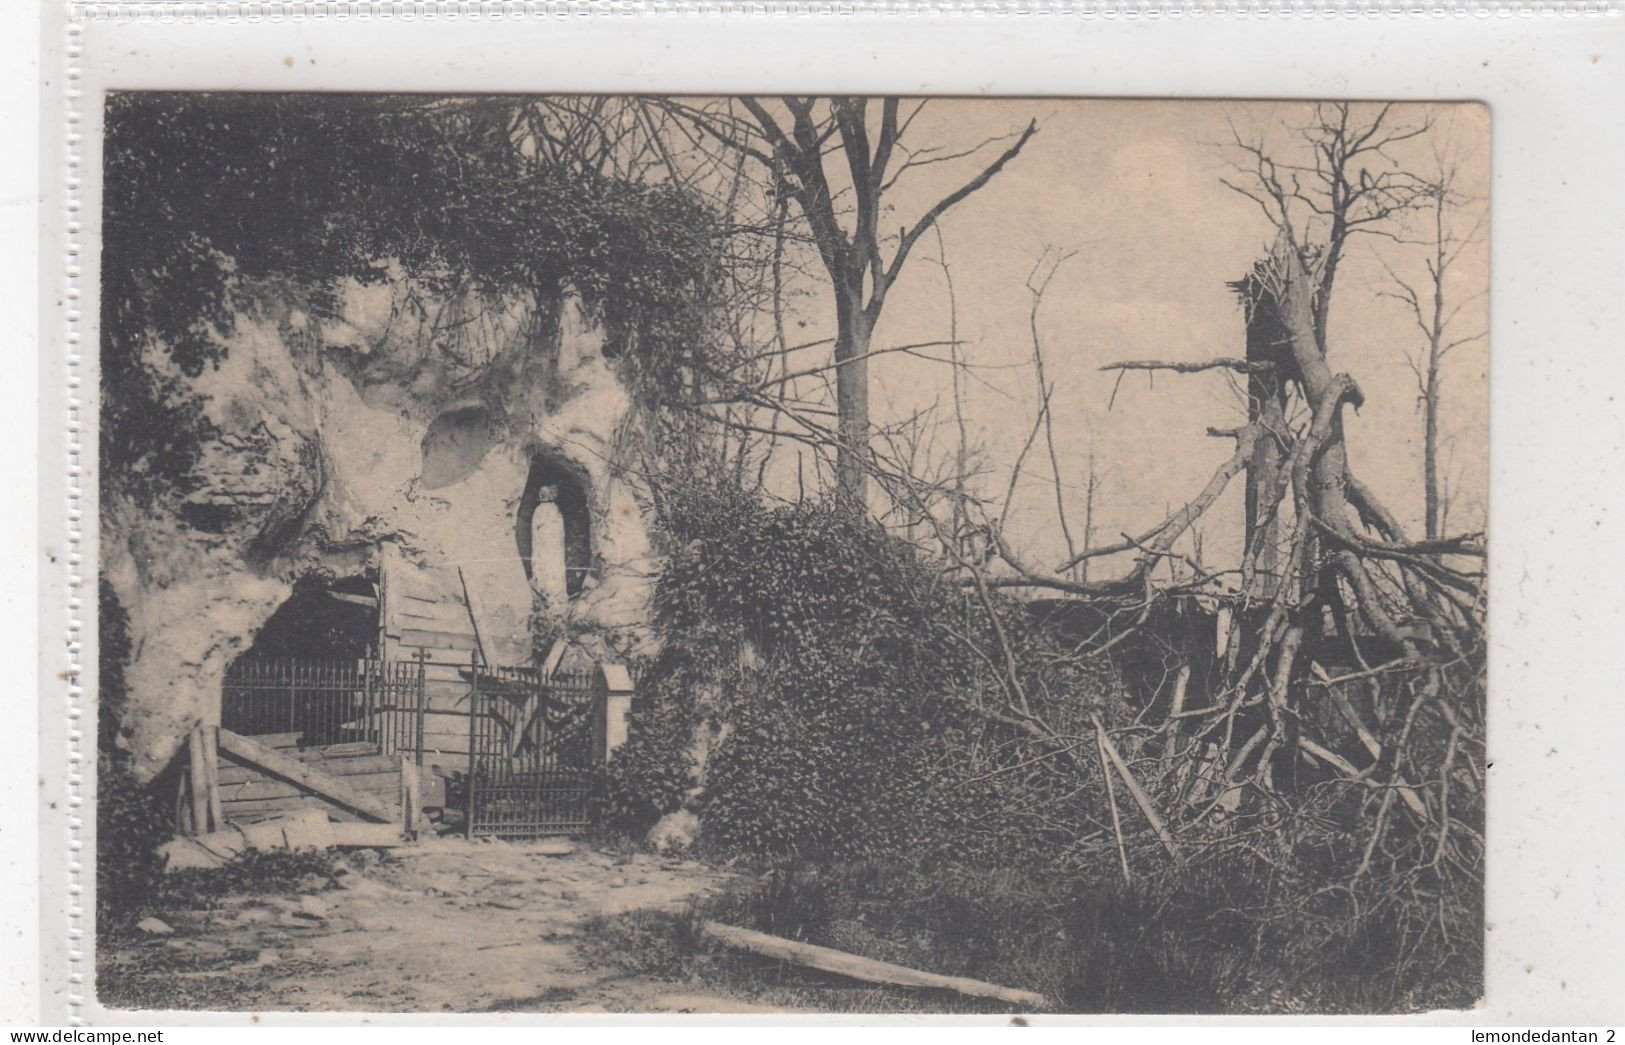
x,y
443,926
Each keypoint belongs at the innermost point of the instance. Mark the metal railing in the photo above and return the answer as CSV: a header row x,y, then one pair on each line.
x,y
321,702
533,741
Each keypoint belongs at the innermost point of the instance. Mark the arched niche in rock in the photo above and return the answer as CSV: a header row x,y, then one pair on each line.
x,y
455,444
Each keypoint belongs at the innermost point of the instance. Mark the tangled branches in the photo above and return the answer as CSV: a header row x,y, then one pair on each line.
x,y
1321,726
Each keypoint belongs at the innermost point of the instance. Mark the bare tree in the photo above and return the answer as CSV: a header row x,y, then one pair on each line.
x,y
1454,222
844,206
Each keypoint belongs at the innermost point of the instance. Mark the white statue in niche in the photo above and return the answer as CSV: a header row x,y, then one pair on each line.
x,y
547,573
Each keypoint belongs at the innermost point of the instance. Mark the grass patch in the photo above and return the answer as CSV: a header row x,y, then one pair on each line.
x,y
183,971
158,974
254,872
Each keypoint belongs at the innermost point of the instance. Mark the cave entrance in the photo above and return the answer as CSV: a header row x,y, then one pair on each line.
x,y
553,529
325,618
299,673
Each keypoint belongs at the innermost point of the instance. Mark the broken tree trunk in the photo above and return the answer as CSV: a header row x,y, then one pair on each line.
x,y
1136,792
827,959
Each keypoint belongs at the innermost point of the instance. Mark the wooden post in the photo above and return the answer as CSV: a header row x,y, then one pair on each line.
x,y
410,786
368,713
473,726
211,776
197,781
423,656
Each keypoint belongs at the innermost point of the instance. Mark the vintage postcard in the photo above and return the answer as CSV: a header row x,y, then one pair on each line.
x,y
832,554
621,548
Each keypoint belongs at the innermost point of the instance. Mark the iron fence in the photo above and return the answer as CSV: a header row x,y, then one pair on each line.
x,y
532,741
321,702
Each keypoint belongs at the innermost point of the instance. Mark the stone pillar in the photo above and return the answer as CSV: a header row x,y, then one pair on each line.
x,y
618,691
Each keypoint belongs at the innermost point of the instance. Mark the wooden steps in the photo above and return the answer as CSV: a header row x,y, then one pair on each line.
x,y
266,776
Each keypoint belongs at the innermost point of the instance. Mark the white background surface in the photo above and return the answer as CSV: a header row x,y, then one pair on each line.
x,y
1557,522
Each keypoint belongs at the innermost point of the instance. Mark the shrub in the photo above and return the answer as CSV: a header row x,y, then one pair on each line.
x,y
255,871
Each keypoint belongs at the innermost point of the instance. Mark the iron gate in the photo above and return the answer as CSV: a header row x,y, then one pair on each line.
x,y
531,750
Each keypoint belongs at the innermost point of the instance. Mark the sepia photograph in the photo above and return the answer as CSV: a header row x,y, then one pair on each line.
x,y
809,555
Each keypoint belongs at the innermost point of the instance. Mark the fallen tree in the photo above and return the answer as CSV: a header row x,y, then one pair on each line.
x,y
826,959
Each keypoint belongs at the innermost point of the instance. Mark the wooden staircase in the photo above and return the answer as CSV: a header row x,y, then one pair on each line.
x,y
234,780
270,775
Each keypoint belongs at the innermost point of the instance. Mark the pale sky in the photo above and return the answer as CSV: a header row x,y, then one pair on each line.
x,y
1134,188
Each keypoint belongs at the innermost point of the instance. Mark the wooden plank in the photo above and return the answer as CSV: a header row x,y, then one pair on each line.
x,y
332,752
375,780
359,600
277,741
345,768
211,772
231,774
474,609
827,959
416,596
382,784
442,640
423,597
261,808
424,620
372,762
239,818
367,836
516,729
326,785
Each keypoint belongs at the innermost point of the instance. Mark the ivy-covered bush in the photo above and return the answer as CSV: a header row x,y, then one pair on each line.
x,y
650,775
842,674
